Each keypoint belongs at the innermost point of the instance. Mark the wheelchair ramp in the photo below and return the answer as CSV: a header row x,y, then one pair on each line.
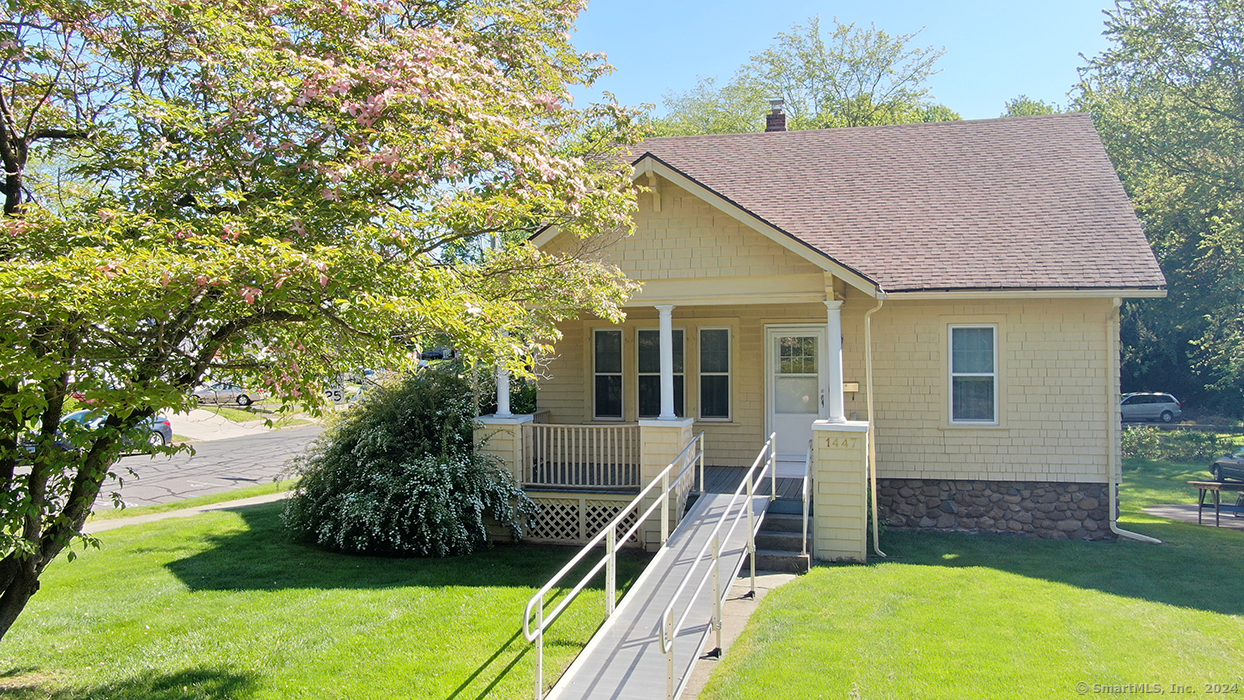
x,y
624,659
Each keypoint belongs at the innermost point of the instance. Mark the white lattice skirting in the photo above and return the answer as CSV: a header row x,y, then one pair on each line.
x,y
570,519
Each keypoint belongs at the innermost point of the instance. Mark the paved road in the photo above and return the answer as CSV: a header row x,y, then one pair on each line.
x,y
215,466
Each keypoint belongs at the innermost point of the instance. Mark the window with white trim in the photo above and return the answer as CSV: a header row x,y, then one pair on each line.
x,y
607,371
715,373
649,371
973,374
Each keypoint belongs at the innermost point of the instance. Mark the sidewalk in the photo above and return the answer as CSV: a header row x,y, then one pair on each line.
x,y
200,426
735,613
1187,514
114,523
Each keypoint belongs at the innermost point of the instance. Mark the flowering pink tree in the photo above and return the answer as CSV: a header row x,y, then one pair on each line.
x,y
270,189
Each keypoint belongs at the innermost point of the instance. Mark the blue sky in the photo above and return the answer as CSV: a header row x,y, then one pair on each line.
x,y
994,50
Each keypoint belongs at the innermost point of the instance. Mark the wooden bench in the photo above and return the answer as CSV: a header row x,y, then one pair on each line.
x,y
1217,487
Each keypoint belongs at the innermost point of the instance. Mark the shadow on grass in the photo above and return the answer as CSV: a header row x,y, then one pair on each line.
x,y
1196,567
263,557
516,638
188,684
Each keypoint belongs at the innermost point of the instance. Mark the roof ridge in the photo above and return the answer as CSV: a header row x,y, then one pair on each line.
x,y
873,127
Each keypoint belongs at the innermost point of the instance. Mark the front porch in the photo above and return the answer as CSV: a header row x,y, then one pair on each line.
x,y
585,466
582,476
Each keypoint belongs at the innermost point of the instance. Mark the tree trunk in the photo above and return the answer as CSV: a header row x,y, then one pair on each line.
x,y
23,585
13,193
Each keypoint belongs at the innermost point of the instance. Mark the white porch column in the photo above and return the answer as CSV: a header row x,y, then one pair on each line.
x,y
667,361
503,393
834,361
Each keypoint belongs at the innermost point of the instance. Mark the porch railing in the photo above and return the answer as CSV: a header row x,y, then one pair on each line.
x,y
581,456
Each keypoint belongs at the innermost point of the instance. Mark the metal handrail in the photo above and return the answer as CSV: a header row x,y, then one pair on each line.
x,y
807,479
609,560
670,629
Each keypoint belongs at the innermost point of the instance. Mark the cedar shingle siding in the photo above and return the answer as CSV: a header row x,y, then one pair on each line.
x,y
1016,203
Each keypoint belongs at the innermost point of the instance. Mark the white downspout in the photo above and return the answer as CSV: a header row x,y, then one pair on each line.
x,y
1112,425
872,416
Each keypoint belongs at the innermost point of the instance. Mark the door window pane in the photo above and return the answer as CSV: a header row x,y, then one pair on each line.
x,y
795,394
796,355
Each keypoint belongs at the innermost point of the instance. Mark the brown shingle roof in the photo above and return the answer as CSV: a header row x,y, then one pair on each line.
x,y
1017,203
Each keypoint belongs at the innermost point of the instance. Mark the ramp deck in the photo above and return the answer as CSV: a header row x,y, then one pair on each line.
x,y
624,659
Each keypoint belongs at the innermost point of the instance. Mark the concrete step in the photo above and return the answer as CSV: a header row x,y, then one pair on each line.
x,y
777,540
778,560
787,506
784,522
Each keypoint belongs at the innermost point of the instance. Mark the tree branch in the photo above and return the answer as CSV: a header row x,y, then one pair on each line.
x,y
218,339
50,133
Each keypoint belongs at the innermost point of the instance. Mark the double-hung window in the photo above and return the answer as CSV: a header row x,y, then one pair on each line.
x,y
649,365
715,373
973,374
607,369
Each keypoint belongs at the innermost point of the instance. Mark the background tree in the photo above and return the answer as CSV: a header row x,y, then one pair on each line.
x,y
265,191
1168,100
1025,106
853,77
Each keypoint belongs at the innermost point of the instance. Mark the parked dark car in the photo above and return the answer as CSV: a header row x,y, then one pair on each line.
x,y
1150,407
1228,467
157,430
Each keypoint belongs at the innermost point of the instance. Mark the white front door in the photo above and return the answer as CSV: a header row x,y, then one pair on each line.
x,y
795,385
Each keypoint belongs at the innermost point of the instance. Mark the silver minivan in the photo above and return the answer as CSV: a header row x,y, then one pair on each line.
x,y
1149,407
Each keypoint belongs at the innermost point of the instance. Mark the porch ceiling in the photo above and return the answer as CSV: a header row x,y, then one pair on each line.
x,y
721,291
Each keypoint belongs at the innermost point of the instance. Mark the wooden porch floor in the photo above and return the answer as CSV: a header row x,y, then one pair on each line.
x,y
727,479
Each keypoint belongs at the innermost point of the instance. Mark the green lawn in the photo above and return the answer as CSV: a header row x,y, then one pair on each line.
x,y
983,616
235,414
256,412
222,606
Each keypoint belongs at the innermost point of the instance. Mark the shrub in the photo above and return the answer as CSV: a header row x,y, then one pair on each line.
x,y
1140,441
1173,445
398,474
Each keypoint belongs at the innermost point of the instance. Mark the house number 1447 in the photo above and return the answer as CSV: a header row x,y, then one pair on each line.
x,y
842,443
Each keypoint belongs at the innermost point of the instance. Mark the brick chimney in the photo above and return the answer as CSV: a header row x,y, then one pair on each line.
x,y
776,120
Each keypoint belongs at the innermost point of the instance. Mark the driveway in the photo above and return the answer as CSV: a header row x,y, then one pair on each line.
x,y
219,465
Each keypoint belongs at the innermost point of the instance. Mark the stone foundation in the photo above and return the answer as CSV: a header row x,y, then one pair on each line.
x,y
1053,510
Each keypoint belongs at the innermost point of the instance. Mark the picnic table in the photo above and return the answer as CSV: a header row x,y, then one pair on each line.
x,y
1216,487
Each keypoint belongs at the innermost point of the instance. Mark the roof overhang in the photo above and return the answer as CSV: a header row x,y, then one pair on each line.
x,y
1037,293
648,164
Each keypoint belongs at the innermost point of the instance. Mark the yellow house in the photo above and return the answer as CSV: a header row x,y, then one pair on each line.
x,y
950,290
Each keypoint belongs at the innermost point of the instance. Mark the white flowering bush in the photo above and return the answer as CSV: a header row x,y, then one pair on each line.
x,y
398,475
